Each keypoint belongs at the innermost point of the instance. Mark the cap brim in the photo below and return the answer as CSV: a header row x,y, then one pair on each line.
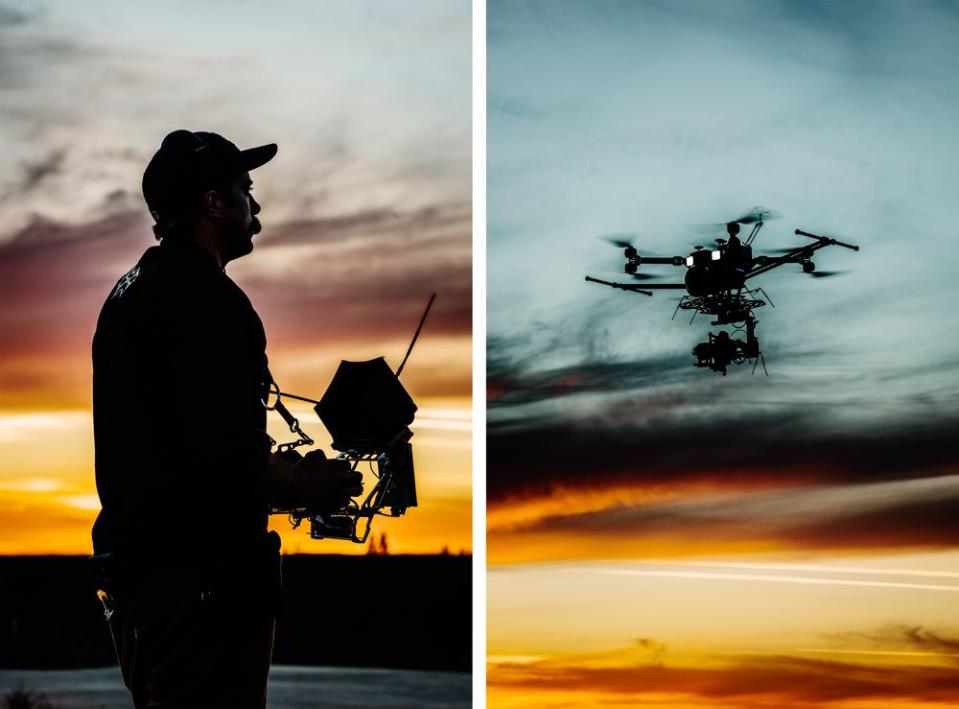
x,y
255,157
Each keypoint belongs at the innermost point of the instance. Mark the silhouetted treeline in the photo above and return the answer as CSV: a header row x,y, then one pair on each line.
x,y
410,612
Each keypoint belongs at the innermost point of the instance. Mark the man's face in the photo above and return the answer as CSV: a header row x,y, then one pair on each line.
x,y
239,222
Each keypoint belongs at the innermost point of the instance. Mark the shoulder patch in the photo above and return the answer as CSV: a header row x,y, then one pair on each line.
x,y
121,287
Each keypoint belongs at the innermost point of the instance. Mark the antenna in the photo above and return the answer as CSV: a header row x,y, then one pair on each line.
x,y
276,389
415,335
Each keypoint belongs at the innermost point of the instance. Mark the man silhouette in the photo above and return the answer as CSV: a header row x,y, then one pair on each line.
x,y
183,463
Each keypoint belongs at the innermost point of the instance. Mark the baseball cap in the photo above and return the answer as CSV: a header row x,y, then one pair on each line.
x,y
188,163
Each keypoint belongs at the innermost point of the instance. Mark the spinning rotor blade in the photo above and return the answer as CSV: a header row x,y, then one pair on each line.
x,y
620,273
621,240
758,214
827,274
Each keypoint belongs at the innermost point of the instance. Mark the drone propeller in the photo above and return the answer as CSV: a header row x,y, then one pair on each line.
x,y
617,272
621,240
827,274
756,214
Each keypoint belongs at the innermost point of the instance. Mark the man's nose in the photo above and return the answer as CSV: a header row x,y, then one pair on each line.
x,y
254,206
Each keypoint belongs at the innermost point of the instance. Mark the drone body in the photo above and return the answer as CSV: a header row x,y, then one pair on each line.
x,y
715,284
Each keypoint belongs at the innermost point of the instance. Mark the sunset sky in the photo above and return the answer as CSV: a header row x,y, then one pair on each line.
x,y
366,211
663,535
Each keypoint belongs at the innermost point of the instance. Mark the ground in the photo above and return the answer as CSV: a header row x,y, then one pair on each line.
x,y
290,688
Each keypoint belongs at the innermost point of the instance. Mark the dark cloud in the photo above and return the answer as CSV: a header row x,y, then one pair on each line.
x,y
378,287
904,637
379,303
589,343
36,172
781,680
919,523
370,274
11,16
640,441
54,277
518,373
654,647
411,227
902,515
23,59
509,387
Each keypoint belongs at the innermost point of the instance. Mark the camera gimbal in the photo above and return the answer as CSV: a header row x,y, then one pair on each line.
x,y
368,413
721,350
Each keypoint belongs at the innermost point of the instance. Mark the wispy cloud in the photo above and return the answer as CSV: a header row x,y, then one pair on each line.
x,y
908,637
770,578
650,671
34,173
754,681
856,517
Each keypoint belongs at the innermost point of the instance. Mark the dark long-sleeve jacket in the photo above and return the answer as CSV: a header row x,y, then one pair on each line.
x,y
179,369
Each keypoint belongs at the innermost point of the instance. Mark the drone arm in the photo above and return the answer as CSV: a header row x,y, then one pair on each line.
x,y
668,260
620,286
767,263
826,240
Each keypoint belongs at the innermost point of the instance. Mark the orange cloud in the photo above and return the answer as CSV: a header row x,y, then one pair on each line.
x,y
780,681
706,517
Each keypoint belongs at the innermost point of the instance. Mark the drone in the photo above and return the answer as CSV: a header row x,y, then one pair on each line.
x,y
717,283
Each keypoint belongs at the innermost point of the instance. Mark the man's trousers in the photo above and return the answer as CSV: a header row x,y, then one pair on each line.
x,y
199,638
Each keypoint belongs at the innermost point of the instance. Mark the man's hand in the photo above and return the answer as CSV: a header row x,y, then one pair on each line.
x,y
331,477
313,482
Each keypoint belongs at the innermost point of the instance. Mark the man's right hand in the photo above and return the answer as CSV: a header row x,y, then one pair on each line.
x,y
314,482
